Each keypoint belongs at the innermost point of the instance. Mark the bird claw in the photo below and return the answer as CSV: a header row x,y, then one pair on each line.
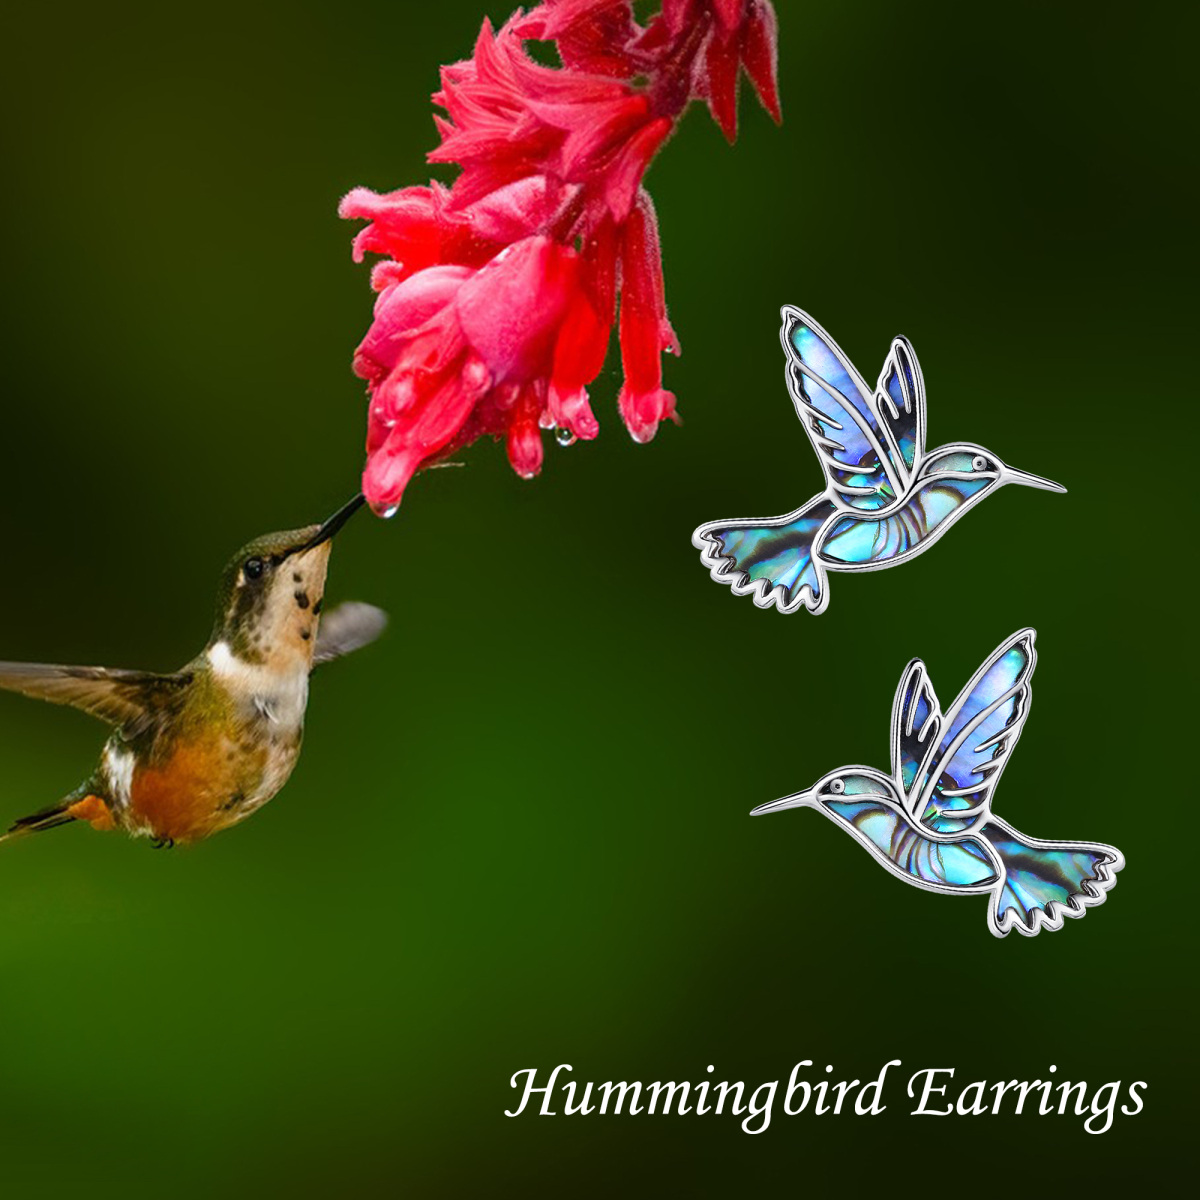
x,y
163,843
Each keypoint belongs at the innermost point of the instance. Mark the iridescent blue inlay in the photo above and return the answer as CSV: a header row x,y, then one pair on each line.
x,y
908,771
945,766
900,407
955,864
779,554
896,393
891,498
916,721
816,354
1038,876
908,448
957,461
860,540
835,405
981,730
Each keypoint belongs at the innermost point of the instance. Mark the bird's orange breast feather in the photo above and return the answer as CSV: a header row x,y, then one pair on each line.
x,y
193,792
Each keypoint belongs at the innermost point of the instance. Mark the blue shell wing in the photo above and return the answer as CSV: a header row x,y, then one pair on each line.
x,y
916,724
836,409
978,735
900,402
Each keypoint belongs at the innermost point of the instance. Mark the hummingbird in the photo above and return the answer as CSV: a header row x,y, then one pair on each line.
x,y
886,498
930,821
196,751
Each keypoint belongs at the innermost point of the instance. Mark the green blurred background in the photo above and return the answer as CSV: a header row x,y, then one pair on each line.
x,y
518,834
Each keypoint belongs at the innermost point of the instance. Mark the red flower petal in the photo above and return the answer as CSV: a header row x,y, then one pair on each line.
x,y
760,55
510,310
624,176
592,35
593,130
721,61
531,205
678,14
730,13
643,412
498,295
402,309
600,257
442,411
645,331
578,357
524,443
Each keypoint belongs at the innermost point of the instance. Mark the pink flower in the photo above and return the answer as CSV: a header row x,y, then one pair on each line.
x,y
645,331
449,342
498,295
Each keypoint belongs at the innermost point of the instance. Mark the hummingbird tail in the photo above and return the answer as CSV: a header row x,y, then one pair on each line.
x,y
771,559
49,818
1044,882
73,808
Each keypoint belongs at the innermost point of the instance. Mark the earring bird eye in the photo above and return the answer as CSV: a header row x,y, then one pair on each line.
x,y
837,787
253,568
979,463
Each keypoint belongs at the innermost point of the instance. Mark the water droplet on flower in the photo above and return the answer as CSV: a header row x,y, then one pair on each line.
x,y
389,512
563,436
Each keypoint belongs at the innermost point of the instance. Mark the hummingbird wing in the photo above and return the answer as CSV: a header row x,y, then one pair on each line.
x,y
126,699
953,791
900,402
916,724
347,628
835,406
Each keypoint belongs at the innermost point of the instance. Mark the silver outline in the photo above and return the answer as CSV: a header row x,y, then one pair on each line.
x,y
723,567
892,794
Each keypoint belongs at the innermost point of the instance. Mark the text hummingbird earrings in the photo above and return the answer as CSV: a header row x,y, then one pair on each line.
x,y
930,822
885,500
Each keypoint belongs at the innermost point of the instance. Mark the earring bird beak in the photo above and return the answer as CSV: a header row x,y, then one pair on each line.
x,y
1012,475
799,800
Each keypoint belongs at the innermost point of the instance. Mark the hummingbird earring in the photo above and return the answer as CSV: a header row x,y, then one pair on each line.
x,y
930,821
886,499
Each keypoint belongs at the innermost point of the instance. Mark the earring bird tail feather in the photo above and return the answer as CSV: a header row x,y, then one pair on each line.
x,y
771,559
1046,882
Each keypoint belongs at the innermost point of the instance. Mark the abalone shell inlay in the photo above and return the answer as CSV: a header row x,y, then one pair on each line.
x,y
916,707
862,540
899,406
780,554
971,767
836,409
954,864
1038,876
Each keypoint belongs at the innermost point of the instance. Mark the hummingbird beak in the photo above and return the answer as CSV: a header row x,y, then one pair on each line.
x,y
334,524
1012,475
799,800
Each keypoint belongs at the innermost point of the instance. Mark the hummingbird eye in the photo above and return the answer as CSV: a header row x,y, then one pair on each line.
x,y
979,463
837,786
253,568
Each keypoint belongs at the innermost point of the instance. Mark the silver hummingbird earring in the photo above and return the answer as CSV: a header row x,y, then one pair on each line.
x,y
885,500
930,821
